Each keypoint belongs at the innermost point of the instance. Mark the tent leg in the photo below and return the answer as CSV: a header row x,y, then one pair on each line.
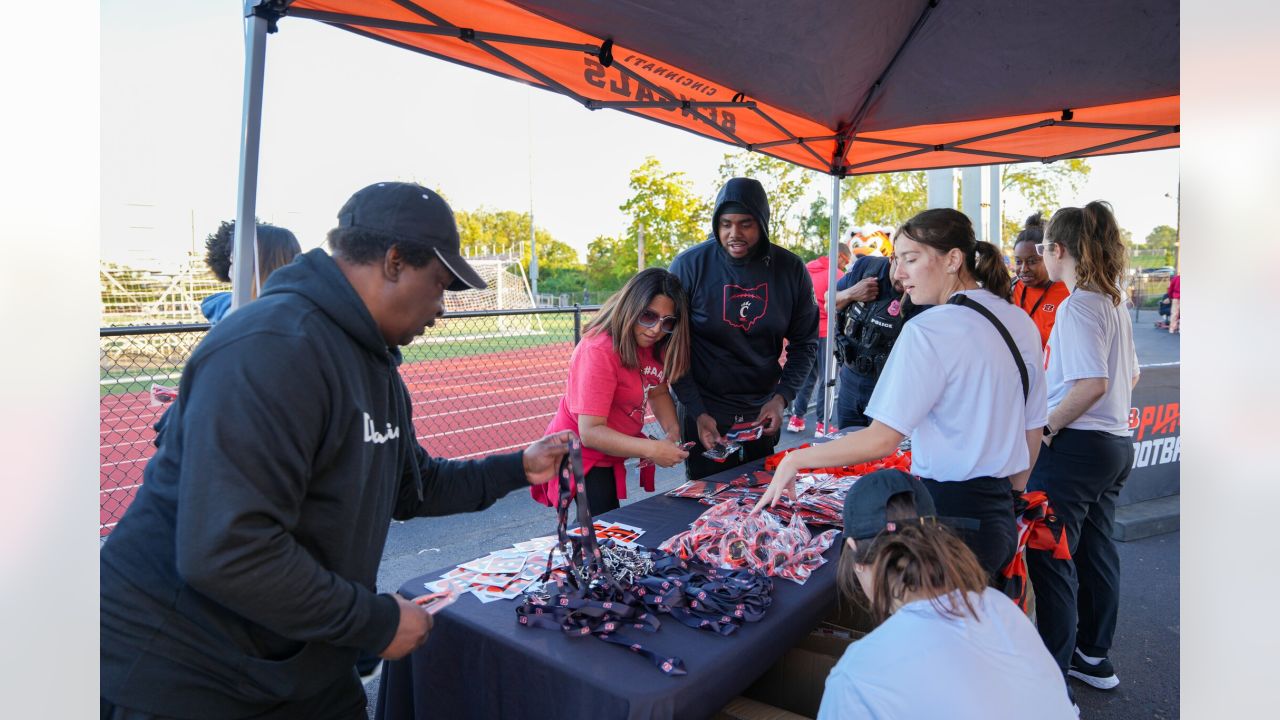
x,y
244,275
829,377
996,231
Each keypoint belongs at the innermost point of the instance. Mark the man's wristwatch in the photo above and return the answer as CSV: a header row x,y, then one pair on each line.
x,y
1049,432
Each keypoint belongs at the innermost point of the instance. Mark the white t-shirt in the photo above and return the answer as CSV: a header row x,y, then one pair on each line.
x,y
923,664
951,384
1093,339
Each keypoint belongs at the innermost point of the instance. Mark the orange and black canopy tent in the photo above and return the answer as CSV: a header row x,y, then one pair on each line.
x,y
841,87
845,87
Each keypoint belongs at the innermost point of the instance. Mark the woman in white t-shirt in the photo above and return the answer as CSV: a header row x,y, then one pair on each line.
x,y
945,646
1092,368
953,385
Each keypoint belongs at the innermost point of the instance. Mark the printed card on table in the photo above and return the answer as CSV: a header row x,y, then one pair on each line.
x,y
616,531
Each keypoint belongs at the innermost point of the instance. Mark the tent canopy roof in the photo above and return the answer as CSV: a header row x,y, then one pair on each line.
x,y
845,88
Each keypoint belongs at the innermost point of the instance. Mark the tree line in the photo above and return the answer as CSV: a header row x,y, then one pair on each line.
x,y
666,213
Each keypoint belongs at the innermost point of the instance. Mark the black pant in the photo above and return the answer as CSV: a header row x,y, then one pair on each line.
x,y
990,502
340,701
697,467
1077,600
602,490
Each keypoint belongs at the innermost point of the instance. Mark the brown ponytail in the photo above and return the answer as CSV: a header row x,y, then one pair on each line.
x,y
1091,237
944,230
919,558
989,269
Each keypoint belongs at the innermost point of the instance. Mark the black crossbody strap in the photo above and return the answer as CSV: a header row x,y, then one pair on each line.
x,y
961,299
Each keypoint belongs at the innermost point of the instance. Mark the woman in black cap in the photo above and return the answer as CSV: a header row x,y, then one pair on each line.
x,y
976,653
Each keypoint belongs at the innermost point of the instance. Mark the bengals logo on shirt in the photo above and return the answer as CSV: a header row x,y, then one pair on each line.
x,y
1048,307
744,306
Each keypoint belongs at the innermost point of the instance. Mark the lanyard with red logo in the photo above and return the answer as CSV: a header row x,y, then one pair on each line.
x,y
1023,300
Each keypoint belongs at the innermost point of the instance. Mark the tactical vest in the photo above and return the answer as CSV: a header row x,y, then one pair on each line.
x,y
869,331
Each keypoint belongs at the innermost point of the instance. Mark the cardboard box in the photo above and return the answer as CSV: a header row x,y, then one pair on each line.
x,y
796,682
741,708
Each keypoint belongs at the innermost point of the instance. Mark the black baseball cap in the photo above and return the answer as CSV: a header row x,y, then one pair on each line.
x,y
867,499
411,213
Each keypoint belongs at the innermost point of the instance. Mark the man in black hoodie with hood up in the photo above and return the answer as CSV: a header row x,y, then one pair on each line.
x,y
746,295
241,581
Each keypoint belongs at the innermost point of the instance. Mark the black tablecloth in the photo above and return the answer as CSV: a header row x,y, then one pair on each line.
x,y
480,663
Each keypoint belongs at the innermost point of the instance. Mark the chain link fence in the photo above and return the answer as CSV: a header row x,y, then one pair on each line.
x,y
482,382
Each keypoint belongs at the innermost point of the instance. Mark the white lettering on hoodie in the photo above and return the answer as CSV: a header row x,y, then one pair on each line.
x,y
371,434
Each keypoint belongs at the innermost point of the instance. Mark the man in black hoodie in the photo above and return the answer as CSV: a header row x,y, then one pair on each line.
x,y
746,296
241,581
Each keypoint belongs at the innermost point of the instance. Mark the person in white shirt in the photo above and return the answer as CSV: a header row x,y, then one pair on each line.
x,y
969,393
945,646
1092,368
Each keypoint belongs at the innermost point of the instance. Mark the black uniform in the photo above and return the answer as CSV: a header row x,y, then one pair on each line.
x,y
741,311
865,333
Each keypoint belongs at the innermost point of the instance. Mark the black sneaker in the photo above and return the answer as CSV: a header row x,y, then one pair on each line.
x,y
1100,675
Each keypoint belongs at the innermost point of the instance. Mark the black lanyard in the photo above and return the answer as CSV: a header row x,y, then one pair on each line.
x,y
590,601
1023,300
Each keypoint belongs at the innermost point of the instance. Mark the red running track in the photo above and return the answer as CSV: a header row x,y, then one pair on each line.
x,y
463,407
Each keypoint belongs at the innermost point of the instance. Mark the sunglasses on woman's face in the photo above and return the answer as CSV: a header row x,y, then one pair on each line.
x,y
649,318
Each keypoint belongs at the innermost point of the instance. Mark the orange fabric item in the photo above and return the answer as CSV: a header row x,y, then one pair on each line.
x,y
1041,304
1037,526
897,461
635,78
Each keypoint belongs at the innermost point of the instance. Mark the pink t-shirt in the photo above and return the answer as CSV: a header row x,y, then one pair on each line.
x,y
600,385
1175,288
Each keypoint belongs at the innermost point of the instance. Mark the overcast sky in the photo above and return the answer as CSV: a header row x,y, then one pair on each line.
x,y
342,111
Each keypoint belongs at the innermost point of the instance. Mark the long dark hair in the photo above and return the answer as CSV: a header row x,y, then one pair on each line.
x,y
916,558
1091,236
620,312
944,230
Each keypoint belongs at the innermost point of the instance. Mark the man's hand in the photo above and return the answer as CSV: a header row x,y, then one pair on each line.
x,y
865,290
708,433
542,459
411,633
771,415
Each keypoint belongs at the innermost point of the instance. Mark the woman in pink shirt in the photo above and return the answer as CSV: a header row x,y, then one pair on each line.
x,y
630,351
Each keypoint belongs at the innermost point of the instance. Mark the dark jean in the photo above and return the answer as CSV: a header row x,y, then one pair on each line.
x,y
855,393
1077,600
697,467
800,407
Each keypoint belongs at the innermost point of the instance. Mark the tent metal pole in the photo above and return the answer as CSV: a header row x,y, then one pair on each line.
x,y
244,273
829,376
996,229
971,196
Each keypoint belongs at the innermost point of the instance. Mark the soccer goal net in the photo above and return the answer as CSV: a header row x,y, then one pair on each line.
x,y
506,288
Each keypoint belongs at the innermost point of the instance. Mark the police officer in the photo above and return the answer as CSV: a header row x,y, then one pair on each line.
x,y
966,383
873,308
